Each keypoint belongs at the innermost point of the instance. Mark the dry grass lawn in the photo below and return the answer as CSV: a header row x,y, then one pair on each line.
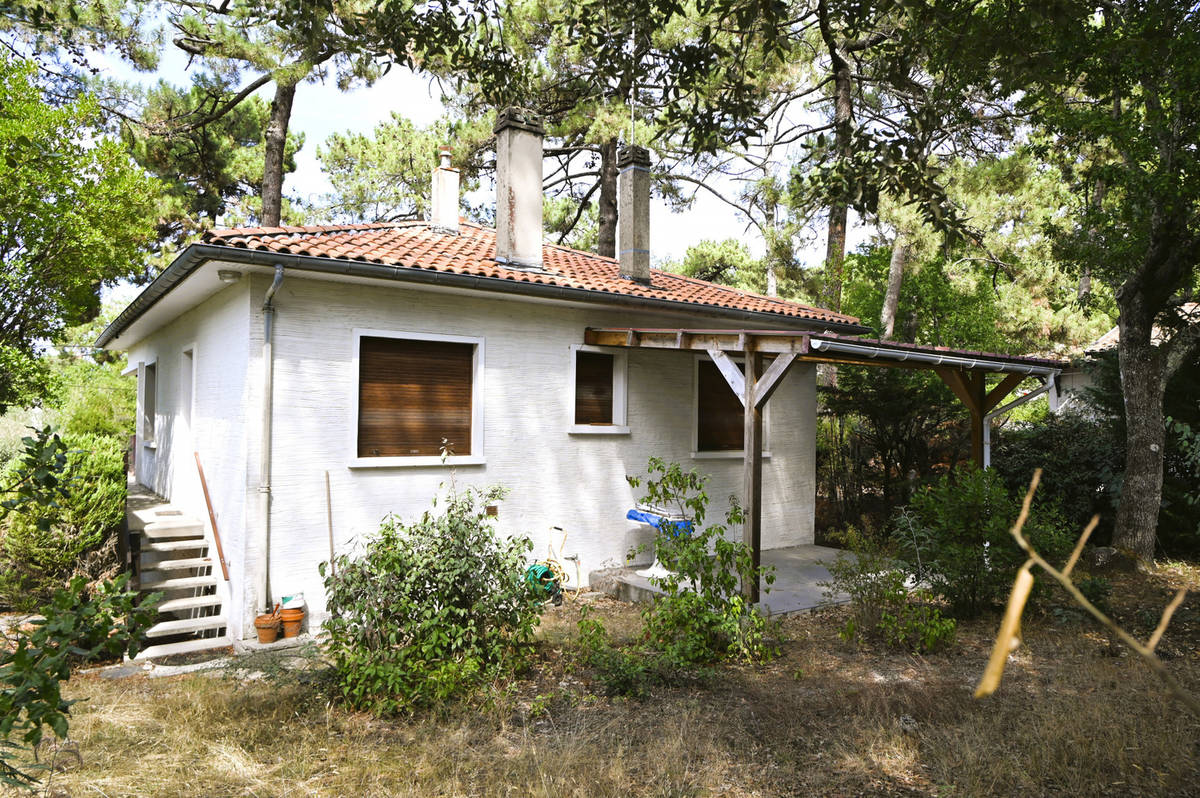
x,y
1074,717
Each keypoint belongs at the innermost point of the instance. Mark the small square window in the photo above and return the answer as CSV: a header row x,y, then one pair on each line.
x,y
597,392
593,388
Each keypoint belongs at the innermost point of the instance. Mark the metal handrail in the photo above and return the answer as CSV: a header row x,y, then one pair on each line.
x,y
212,518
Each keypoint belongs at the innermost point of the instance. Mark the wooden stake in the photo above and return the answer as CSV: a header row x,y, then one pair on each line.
x,y
329,518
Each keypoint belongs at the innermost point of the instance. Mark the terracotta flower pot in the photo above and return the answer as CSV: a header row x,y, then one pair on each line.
x,y
291,621
267,627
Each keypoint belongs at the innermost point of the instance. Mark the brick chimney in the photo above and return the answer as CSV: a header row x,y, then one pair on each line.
x,y
519,188
443,212
633,213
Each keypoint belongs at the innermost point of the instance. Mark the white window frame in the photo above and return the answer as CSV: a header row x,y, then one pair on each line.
x,y
620,393
477,393
190,349
147,441
732,454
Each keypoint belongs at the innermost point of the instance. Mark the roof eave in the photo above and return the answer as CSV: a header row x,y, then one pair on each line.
x,y
197,254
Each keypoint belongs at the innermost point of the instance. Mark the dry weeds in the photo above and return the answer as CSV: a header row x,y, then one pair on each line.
x,y
825,719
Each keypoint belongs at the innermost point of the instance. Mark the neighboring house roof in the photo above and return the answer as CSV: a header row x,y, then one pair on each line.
x,y
1189,312
417,245
415,251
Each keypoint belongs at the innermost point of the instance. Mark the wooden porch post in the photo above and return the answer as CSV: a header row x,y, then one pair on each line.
x,y
975,384
752,459
971,388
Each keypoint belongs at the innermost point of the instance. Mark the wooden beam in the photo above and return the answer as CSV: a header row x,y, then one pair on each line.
x,y
729,370
977,385
766,384
752,476
997,394
958,382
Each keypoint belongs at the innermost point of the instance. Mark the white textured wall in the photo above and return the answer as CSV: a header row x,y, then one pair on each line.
x,y
555,479
219,329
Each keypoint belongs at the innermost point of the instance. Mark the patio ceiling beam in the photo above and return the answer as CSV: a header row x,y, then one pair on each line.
x,y
765,341
815,347
732,374
1006,386
771,379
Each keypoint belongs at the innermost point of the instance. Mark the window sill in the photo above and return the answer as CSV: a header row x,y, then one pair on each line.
x,y
414,462
597,429
738,455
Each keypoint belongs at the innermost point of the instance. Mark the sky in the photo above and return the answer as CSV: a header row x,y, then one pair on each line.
x,y
321,110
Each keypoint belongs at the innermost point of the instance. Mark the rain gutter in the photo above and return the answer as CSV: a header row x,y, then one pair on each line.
x,y
951,361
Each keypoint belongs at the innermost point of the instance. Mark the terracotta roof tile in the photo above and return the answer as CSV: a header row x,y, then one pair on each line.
x,y
415,245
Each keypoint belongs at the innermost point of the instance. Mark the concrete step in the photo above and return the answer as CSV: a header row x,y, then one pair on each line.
x,y
166,649
183,526
185,626
180,544
179,583
178,565
189,603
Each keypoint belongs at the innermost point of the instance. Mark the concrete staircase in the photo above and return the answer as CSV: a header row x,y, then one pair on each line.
x,y
172,557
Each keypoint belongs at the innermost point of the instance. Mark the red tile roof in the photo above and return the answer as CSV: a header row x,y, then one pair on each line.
x,y
416,245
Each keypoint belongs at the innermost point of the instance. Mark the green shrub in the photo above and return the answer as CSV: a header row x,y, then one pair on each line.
x,y
918,627
81,625
881,607
954,538
1097,590
1081,466
701,616
95,398
45,541
430,610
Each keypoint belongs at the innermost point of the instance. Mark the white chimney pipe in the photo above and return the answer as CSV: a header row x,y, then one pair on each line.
x,y
443,212
633,213
518,188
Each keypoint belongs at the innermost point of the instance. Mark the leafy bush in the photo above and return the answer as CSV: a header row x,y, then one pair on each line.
x,y
701,616
954,538
95,398
1097,590
1081,465
431,610
68,530
880,604
80,625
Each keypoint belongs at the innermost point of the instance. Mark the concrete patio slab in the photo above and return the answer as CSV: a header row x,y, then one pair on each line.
x,y
798,572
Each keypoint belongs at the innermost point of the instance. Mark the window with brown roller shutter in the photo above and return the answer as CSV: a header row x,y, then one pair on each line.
x,y
412,395
593,388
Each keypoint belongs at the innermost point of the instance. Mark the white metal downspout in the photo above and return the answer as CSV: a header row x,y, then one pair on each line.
x,y
264,469
1020,400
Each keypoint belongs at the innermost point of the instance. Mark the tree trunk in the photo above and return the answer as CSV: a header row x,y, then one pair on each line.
x,y
891,300
835,247
276,145
1142,385
606,238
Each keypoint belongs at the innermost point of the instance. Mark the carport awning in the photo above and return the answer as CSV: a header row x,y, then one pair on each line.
x,y
964,371
823,348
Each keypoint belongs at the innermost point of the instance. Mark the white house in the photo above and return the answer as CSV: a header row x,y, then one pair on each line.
x,y
278,356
